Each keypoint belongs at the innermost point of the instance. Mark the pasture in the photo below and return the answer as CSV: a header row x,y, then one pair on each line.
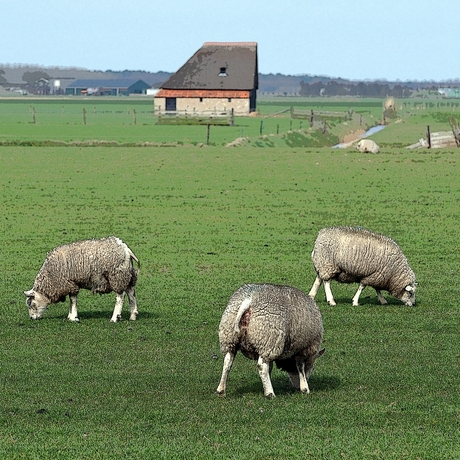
x,y
131,122
203,221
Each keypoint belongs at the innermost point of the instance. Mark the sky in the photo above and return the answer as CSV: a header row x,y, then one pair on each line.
x,y
395,40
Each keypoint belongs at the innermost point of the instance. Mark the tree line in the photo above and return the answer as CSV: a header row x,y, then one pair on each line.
x,y
362,89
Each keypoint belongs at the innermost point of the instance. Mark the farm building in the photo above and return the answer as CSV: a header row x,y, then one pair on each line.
x,y
122,87
219,77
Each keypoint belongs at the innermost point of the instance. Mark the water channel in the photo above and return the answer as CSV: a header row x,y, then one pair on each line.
x,y
369,132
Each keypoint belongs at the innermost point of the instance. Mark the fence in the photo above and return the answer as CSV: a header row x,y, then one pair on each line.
x,y
439,139
171,117
37,111
442,139
321,116
318,119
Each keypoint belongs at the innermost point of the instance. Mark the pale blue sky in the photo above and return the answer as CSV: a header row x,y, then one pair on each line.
x,y
354,39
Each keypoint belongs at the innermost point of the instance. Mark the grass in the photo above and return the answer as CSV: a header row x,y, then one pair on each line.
x,y
131,122
87,121
203,221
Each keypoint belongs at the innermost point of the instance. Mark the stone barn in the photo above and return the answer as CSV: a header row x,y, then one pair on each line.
x,y
219,77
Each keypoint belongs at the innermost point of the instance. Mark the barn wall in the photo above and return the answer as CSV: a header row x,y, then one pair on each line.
x,y
240,107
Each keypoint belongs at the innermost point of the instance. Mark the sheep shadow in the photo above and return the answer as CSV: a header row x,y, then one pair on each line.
x,y
282,386
364,301
98,314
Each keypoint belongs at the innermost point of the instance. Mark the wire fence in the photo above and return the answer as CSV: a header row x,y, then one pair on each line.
x,y
35,113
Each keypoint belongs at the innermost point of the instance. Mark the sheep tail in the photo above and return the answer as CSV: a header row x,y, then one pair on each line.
x,y
241,311
133,256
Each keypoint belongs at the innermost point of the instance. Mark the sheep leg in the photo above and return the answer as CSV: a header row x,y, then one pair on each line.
x,y
294,379
228,361
132,304
300,364
264,372
73,313
315,287
329,296
116,316
382,299
355,299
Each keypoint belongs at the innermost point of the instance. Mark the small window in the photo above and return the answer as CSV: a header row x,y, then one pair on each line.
x,y
229,99
223,72
201,99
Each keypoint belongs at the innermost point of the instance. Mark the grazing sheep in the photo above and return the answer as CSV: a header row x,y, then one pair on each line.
x,y
390,104
367,146
271,323
102,266
357,255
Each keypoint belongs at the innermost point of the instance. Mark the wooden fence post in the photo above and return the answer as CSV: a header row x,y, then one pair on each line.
x,y
208,130
428,136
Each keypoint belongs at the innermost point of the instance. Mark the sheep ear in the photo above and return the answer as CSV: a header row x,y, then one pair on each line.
x,y
320,353
30,293
409,288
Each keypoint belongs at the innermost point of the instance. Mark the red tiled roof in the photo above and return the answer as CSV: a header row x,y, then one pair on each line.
x,y
203,93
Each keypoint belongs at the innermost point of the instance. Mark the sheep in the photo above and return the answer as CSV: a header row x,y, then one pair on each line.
x,y
100,265
367,146
390,104
269,323
357,255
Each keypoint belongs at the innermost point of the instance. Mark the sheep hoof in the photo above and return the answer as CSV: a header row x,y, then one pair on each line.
x,y
75,320
220,393
332,303
270,395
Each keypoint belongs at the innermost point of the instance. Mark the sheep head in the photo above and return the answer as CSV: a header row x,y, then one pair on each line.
x,y
36,303
407,295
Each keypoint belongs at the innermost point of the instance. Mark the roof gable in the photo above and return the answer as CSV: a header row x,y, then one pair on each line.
x,y
218,65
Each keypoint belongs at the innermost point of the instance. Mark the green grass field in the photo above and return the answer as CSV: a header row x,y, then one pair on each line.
x,y
131,122
203,221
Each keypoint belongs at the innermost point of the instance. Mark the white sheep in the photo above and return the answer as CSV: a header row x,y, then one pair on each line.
x,y
367,146
271,323
102,266
357,255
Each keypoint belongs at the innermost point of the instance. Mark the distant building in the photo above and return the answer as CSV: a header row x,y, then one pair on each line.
x,y
449,92
220,76
123,87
